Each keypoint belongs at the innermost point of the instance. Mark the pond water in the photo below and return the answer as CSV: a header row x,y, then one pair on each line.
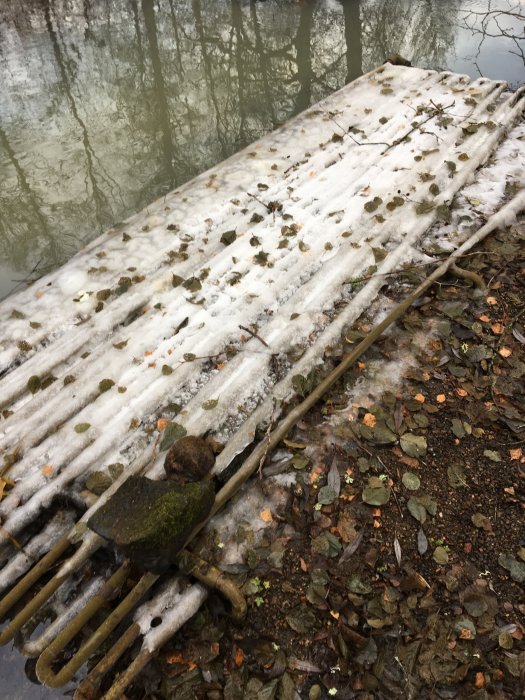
x,y
105,105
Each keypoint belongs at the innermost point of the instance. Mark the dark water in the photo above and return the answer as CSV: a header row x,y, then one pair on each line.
x,y
106,104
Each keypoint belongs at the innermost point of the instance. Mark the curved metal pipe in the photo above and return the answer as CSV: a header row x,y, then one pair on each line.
x,y
44,670
212,577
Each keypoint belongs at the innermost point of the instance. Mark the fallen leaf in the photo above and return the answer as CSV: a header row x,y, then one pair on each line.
x,y
492,301
413,445
479,681
461,392
441,398
239,657
369,419
497,328
515,454
266,515
420,398
162,423
303,564
47,470
505,352
484,318
397,551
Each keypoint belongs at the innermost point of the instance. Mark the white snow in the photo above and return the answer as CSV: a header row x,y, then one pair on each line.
x,y
155,304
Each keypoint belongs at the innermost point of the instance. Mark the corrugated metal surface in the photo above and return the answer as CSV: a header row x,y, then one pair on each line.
x,y
273,239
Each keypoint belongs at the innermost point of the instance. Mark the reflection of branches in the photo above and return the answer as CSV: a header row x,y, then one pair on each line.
x,y
419,30
492,24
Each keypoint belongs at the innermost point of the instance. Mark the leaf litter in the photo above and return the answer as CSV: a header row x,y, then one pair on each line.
x,y
394,565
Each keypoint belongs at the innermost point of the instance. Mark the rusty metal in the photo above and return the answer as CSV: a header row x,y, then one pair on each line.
x,y
88,687
212,577
44,670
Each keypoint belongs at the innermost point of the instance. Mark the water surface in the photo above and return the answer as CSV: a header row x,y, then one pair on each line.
x,y
105,105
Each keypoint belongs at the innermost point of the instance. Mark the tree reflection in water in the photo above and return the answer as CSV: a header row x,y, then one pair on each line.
x,y
107,106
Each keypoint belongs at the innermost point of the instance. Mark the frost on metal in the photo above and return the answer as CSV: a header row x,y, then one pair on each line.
x,y
201,308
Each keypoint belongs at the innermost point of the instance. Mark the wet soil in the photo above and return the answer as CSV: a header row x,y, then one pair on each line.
x,y
403,548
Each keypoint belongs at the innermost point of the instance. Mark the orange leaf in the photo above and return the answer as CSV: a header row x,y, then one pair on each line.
x,y
266,515
426,376
315,474
335,614
505,352
480,679
47,469
303,564
492,301
515,454
497,328
484,318
420,398
39,293
162,423
175,657
441,398
369,419
239,656
461,392
148,353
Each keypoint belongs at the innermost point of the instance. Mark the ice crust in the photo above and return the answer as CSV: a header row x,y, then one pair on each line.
x,y
322,168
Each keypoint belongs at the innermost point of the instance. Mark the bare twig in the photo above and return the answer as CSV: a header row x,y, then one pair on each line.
x,y
254,335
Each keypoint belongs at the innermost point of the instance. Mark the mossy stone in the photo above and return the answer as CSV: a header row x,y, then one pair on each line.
x,y
149,521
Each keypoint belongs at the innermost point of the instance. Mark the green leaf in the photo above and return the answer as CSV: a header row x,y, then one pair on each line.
x,y
424,207
192,284
173,431
228,237
300,461
413,445
82,427
411,481
417,510
166,369
379,254
514,567
98,482
189,356
261,258
440,555
326,495
33,383
456,476
373,204
105,385
210,405
376,493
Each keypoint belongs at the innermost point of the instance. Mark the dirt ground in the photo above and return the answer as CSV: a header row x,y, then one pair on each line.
x,y
395,566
